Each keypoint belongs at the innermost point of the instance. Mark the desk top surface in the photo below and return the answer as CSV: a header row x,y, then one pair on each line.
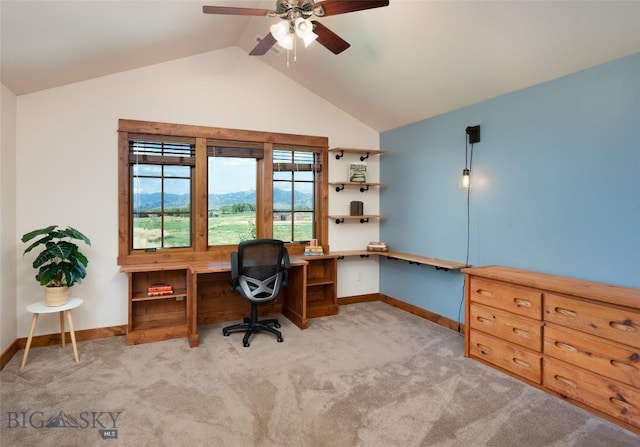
x,y
195,267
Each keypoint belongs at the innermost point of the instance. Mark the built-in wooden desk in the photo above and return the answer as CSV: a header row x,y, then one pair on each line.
x,y
202,295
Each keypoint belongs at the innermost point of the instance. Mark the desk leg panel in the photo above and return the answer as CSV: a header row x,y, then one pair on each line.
x,y
294,301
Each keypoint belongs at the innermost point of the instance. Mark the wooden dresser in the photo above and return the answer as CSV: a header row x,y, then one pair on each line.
x,y
576,339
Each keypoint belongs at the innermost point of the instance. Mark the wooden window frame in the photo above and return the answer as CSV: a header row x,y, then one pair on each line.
x,y
129,129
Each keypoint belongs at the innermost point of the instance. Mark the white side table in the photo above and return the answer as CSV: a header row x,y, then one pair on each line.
x,y
40,308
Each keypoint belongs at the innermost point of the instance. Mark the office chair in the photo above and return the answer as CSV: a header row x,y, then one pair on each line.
x,y
259,271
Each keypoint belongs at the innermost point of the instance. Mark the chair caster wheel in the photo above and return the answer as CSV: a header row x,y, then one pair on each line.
x,y
277,326
280,339
246,344
225,333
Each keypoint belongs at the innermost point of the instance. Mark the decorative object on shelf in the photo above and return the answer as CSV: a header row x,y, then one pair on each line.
x,y
61,264
159,289
358,172
356,208
377,246
311,250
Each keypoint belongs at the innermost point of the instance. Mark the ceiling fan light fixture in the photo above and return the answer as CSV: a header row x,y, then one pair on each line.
x,y
280,32
309,38
304,30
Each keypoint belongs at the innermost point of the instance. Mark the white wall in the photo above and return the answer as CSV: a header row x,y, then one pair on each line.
x,y
7,218
67,158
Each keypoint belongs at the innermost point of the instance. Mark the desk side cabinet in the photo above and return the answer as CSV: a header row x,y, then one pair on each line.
x,y
158,317
322,294
578,340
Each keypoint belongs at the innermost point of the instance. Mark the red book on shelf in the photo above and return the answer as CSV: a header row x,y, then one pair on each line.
x,y
160,287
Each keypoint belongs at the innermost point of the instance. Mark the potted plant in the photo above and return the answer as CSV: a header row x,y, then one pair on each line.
x,y
61,264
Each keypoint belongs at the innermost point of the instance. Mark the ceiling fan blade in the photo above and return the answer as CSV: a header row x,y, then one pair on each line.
x,y
329,39
334,7
235,11
263,46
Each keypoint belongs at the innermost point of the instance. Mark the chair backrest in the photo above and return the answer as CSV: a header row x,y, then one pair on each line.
x,y
259,269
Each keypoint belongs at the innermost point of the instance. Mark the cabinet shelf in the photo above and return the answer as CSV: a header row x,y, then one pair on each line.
x,y
363,219
364,186
365,153
144,297
320,283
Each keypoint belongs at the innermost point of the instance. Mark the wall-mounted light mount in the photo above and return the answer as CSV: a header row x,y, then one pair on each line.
x,y
473,132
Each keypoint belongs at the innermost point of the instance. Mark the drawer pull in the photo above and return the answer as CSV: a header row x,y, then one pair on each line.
x,y
484,320
522,303
626,326
483,349
565,312
566,381
623,365
521,363
521,332
566,346
484,292
622,404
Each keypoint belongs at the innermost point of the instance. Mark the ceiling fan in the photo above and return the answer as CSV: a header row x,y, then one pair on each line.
x,y
295,15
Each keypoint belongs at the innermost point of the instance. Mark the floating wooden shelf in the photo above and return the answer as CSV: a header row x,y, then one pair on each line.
x,y
351,150
362,219
364,186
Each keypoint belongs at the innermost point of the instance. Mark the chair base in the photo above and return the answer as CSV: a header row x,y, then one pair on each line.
x,y
253,325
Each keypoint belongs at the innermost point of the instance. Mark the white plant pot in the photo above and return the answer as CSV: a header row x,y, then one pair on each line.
x,y
55,296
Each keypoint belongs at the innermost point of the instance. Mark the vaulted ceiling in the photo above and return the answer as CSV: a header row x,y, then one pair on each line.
x,y
411,60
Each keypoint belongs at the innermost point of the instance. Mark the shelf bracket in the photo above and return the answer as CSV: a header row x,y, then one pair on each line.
x,y
339,221
441,268
364,256
363,189
340,187
340,155
340,258
364,220
364,157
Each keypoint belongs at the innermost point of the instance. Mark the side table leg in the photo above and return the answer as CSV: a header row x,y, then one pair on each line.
x,y
62,328
73,336
34,320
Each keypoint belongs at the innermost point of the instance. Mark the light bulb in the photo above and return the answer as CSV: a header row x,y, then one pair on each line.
x,y
466,178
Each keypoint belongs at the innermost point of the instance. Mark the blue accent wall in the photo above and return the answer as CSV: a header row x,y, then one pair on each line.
x,y
555,187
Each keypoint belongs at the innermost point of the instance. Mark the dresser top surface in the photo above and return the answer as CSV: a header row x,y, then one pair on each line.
x,y
623,296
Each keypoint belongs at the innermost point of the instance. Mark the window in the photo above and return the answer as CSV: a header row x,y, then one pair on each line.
x,y
188,193
232,193
294,194
161,185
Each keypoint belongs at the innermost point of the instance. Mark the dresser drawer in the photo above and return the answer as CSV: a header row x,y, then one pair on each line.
x,y
519,330
613,323
513,358
518,300
619,362
610,397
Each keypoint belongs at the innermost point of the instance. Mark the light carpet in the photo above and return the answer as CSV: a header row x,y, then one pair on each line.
x,y
373,375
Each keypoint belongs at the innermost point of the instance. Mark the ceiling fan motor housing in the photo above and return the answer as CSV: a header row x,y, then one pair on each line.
x,y
293,9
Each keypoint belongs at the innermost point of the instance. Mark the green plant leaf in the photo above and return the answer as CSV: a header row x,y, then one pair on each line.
x,y
42,241
30,235
75,234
